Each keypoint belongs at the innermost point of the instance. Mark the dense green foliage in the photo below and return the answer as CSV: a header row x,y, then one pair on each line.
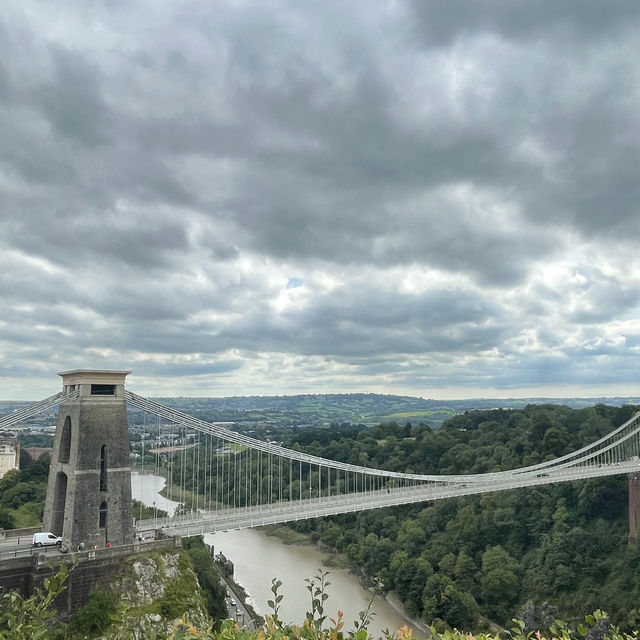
x,y
454,559
172,603
208,577
142,512
94,618
22,493
33,618
34,439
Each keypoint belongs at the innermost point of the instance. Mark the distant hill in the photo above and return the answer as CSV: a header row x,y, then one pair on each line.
x,y
337,408
358,408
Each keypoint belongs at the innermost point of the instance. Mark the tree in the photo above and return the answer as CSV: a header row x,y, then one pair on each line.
x,y
25,459
208,577
500,584
9,480
402,570
447,565
21,493
500,591
555,441
465,572
411,537
603,497
6,519
37,470
442,600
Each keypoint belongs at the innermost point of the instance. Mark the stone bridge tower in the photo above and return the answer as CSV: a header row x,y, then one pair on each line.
x,y
89,490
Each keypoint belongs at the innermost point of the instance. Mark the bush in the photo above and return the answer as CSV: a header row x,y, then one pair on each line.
x,y
96,616
6,519
208,577
179,594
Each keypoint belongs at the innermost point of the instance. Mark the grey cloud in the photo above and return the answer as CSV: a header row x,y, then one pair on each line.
x,y
356,323
6,90
100,238
440,23
603,301
72,101
194,368
159,181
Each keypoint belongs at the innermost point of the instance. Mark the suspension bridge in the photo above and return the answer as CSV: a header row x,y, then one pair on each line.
x,y
232,481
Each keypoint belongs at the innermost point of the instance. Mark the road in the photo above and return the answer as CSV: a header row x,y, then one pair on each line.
x,y
19,547
235,607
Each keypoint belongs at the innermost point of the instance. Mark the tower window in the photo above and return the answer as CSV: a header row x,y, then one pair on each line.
x,y
103,468
103,389
103,514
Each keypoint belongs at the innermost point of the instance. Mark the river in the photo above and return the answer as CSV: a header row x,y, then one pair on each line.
x,y
147,488
259,558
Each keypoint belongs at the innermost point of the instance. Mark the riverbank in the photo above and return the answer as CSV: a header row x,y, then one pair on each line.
x,y
286,535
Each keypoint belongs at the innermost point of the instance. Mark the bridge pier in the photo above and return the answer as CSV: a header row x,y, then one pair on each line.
x,y
634,508
89,489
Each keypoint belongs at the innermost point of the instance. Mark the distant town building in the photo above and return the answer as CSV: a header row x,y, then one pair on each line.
x,y
225,564
36,452
9,455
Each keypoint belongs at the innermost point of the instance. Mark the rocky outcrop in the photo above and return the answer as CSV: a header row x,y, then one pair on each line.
x,y
538,617
155,590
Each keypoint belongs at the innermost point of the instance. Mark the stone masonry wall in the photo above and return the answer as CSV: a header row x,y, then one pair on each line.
x,y
92,568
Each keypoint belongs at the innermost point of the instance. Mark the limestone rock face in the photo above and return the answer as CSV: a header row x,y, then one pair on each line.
x,y
148,578
155,591
538,616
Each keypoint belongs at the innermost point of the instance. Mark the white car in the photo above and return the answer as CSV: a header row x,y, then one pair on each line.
x,y
46,539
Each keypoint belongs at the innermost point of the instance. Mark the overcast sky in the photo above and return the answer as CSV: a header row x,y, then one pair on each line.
x,y
274,197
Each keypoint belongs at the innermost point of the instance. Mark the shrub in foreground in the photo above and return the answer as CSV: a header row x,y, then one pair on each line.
x,y
33,618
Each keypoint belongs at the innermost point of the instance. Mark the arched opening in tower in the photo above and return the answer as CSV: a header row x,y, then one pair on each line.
x,y
65,441
59,503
